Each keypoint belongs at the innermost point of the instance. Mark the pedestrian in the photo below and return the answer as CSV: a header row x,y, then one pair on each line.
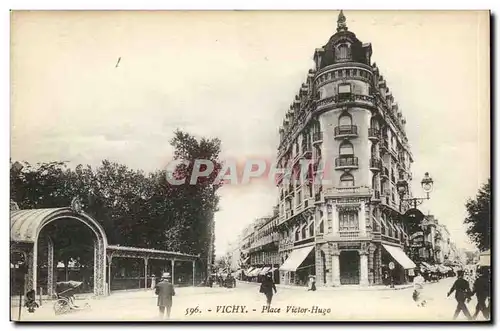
x,y
267,286
482,291
165,291
312,283
418,286
462,293
153,281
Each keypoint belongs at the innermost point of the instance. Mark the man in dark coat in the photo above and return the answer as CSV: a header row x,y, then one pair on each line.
x,y
165,291
482,291
267,286
462,293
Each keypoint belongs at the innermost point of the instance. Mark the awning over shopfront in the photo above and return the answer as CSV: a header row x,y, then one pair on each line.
x,y
255,272
264,270
296,258
248,271
400,256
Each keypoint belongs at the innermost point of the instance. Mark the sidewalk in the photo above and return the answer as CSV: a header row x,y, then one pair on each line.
x,y
341,288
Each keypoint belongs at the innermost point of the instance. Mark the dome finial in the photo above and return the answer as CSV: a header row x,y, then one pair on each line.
x,y
341,25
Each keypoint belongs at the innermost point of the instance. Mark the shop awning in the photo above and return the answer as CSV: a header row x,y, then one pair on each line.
x,y
296,258
264,270
255,272
400,256
248,271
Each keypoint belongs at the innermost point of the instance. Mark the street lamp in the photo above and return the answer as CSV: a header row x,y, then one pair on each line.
x,y
402,186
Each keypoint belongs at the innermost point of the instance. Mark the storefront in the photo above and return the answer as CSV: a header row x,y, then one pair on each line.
x,y
298,266
399,271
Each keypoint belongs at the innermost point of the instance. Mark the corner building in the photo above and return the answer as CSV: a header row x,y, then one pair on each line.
x,y
345,122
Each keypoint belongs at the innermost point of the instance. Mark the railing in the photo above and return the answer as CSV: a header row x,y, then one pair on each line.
x,y
375,163
346,162
390,239
385,144
346,130
385,172
373,133
317,137
349,233
306,148
345,98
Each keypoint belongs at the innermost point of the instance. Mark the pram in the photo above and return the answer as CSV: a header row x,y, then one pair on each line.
x,y
66,298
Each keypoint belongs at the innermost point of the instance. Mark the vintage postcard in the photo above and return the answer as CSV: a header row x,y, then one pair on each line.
x,y
250,166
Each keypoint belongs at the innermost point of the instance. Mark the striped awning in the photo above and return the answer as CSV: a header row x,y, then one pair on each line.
x,y
264,270
255,272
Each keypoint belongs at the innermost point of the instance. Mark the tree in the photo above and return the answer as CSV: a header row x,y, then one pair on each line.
x,y
478,220
135,209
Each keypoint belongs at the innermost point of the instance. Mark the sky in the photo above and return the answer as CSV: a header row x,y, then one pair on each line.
x,y
232,75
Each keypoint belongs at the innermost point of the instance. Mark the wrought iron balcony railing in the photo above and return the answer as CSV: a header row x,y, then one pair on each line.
x,y
346,162
344,131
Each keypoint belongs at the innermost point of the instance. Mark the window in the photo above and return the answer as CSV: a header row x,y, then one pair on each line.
x,y
311,229
297,234
345,120
343,52
321,227
346,180
348,221
346,148
304,231
344,88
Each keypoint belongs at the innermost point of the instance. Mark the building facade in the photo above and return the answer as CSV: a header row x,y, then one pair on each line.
x,y
343,140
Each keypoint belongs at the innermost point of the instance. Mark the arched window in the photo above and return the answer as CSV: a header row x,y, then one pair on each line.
x,y
297,234
304,231
311,229
345,119
346,148
343,52
321,227
346,180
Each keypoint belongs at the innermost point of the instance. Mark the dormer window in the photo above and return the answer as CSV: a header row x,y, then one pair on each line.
x,y
343,52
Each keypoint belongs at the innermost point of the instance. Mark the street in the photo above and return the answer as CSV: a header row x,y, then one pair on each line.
x,y
323,305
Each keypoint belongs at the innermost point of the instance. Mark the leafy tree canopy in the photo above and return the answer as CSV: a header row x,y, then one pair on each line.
x,y
478,219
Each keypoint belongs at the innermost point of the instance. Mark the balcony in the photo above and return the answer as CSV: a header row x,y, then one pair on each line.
x,y
385,145
306,149
375,164
346,162
349,234
346,131
317,137
389,239
376,196
374,134
345,98
385,172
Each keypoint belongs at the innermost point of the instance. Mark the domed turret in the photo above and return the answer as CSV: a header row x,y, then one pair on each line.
x,y
344,46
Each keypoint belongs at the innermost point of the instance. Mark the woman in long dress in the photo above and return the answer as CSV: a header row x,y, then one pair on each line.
x,y
153,282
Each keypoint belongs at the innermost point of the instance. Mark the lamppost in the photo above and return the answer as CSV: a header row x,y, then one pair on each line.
x,y
402,185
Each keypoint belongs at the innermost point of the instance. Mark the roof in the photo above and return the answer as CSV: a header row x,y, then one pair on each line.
x,y
148,251
25,224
